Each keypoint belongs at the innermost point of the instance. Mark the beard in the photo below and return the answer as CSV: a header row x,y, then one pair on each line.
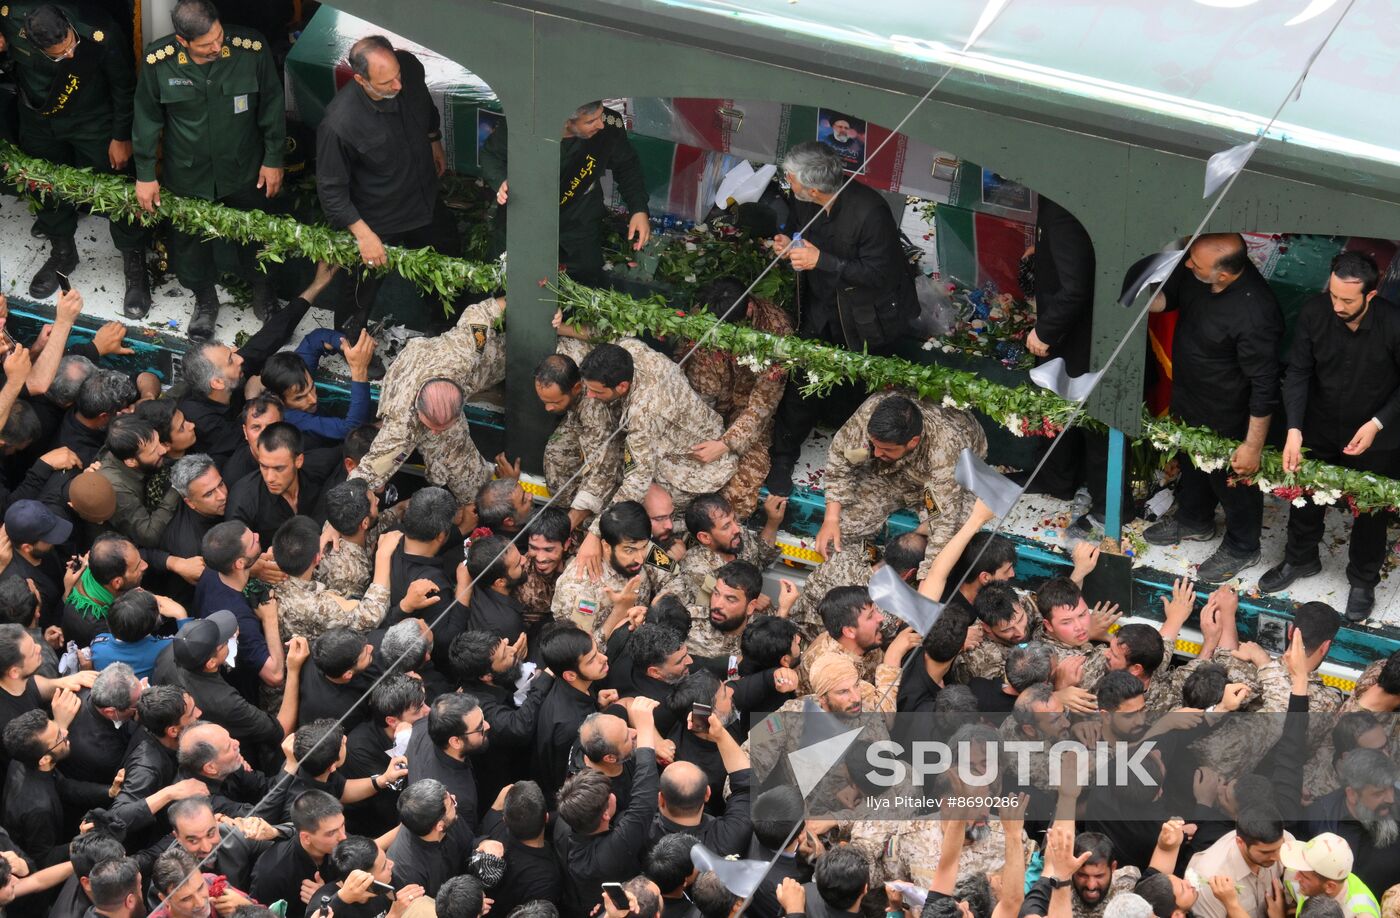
x,y
1383,830
728,625
507,677
625,572
514,582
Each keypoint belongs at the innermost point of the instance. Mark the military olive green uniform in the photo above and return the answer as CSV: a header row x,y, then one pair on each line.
x,y
218,124
72,109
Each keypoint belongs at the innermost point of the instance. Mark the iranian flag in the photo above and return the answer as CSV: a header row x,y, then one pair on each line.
x,y
976,248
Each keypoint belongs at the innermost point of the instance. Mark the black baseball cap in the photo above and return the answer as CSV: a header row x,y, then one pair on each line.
x,y
29,521
202,638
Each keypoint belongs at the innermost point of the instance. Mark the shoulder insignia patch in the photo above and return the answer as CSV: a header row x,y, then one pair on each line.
x,y
97,35
628,462
872,552
160,55
239,41
256,45
479,336
660,559
930,501
169,49
4,11
225,52
587,607
150,58
182,59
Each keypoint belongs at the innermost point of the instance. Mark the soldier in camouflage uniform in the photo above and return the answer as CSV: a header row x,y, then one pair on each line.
x,y
628,555
745,396
76,85
854,565
547,540
868,477
308,607
734,596
909,849
662,419
210,102
719,539
1235,746
1377,690
583,438
472,356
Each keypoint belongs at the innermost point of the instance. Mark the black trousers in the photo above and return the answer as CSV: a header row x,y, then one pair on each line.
x,y
440,235
1082,458
1366,549
1199,493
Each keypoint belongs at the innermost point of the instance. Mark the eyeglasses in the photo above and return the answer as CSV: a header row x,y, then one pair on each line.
x,y
481,729
62,738
71,49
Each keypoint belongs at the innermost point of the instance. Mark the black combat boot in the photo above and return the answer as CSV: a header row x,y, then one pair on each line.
x,y
62,260
206,314
137,300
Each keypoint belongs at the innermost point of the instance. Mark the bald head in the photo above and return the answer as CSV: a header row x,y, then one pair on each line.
x,y
602,736
684,789
207,749
1218,259
440,404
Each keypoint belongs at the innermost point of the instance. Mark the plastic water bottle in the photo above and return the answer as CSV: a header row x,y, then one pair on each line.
x,y
797,243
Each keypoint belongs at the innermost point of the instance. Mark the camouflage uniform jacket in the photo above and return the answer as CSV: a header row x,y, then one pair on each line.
x,y
695,580
347,570
585,603
870,490
662,418
309,609
1236,746
1123,880
1319,776
866,665
744,395
472,354
988,659
848,567
584,435
909,850
536,594
1095,655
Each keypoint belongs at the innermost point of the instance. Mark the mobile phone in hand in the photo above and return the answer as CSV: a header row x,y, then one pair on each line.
x,y
617,896
384,888
700,717
64,283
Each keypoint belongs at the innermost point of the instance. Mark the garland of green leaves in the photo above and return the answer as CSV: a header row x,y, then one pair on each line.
x,y
817,367
278,238
1023,410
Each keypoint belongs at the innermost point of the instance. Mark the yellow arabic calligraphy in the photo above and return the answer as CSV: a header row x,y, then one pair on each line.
x,y
574,185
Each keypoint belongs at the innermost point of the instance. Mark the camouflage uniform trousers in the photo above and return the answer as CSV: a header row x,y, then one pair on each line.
x,y
742,490
848,567
307,608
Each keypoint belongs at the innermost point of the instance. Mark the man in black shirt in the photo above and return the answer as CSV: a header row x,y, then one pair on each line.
x,y
203,500
33,814
429,846
103,727
34,530
428,524
519,821
288,869
353,896
331,681
102,396
685,790
441,745
1342,397
287,483
1224,377
607,844
395,705
577,663
497,567
151,762
856,287
379,156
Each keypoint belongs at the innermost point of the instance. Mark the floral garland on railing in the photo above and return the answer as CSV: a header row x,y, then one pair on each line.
x,y
277,237
1022,410
817,367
